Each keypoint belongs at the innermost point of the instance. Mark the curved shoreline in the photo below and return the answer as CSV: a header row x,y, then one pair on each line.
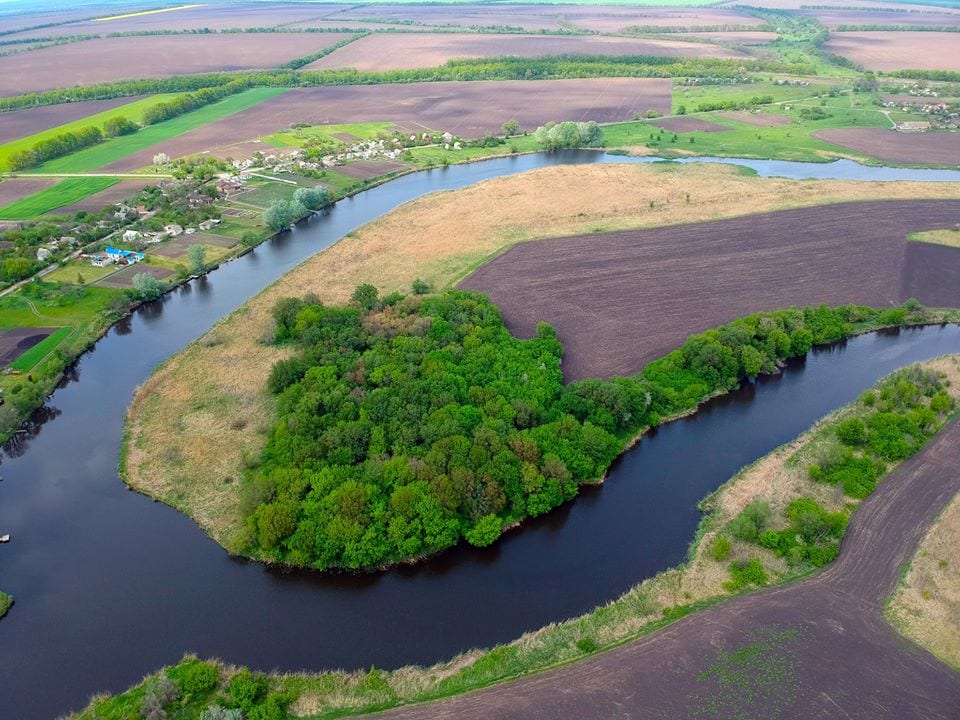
x,y
537,690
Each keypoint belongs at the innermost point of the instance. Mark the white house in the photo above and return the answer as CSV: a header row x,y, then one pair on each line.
x,y
173,230
131,236
42,254
208,224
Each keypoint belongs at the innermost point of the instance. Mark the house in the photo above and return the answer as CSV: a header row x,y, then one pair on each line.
x,y
189,231
209,224
173,229
101,260
913,126
122,257
68,240
42,254
131,236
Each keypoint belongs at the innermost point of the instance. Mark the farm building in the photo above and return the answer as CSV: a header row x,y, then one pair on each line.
x,y
131,236
173,230
113,255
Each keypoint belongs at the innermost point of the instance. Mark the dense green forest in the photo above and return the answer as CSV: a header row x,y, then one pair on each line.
x,y
407,423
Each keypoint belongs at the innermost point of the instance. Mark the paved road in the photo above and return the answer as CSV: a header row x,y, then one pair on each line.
x,y
829,652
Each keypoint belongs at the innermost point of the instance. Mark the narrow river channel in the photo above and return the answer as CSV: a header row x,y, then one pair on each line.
x,y
110,585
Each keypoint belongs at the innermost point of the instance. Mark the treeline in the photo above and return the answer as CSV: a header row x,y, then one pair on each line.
x,y
191,101
670,29
510,68
569,135
298,63
944,75
57,146
407,423
753,102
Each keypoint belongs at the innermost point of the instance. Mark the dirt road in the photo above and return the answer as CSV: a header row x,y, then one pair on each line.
x,y
819,648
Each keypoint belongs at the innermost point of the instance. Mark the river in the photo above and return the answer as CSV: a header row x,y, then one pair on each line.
x,y
111,585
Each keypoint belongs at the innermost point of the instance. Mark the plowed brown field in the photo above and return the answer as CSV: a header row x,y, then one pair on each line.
x,y
400,51
619,300
468,109
118,58
898,50
926,148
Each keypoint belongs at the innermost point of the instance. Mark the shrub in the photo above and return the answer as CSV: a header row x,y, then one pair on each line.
x,y
746,573
852,432
420,287
751,521
246,688
587,645
365,296
199,677
160,692
721,547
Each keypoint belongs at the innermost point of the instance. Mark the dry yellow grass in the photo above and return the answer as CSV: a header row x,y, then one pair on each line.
x,y
192,426
926,605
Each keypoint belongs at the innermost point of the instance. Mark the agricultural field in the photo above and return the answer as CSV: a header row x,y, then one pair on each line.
x,y
879,16
65,192
401,51
603,291
935,148
21,123
114,154
15,189
897,50
133,111
468,109
108,59
122,190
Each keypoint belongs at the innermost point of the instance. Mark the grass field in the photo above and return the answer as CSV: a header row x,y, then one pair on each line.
x,y
68,273
297,137
69,308
117,148
39,351
785,142
692,96
65,192
132,111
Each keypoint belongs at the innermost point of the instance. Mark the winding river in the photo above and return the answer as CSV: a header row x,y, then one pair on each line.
x,y
110,585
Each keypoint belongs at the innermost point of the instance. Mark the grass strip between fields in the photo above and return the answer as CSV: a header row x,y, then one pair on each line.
x,y
65,192
118,148
39,351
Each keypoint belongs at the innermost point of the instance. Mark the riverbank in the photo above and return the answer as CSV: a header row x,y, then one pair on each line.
x,y
6,602
201,420
710,575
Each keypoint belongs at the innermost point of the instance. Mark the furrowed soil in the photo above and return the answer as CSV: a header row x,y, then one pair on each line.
x,y
109,59
819,648
620,300
195,420
898,50
922,148
468,109
402,51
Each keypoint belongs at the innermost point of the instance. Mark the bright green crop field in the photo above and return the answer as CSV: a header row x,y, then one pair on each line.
x,y
65,192
132,111
118,148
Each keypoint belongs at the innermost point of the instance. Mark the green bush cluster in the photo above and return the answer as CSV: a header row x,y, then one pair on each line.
x,y
62,144
743,574
812,537
407,423
191,101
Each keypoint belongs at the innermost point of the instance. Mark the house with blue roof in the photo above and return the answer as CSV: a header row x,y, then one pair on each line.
x,y
112,255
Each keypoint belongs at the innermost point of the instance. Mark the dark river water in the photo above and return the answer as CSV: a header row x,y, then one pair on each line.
x,y
111,585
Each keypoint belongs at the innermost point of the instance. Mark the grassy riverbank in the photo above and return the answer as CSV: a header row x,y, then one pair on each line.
x,y
725,559
6,602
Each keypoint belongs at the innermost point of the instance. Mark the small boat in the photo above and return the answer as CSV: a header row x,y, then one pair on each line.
x,y
4,538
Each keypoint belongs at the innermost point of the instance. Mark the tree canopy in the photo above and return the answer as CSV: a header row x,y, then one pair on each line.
x,y
407,423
